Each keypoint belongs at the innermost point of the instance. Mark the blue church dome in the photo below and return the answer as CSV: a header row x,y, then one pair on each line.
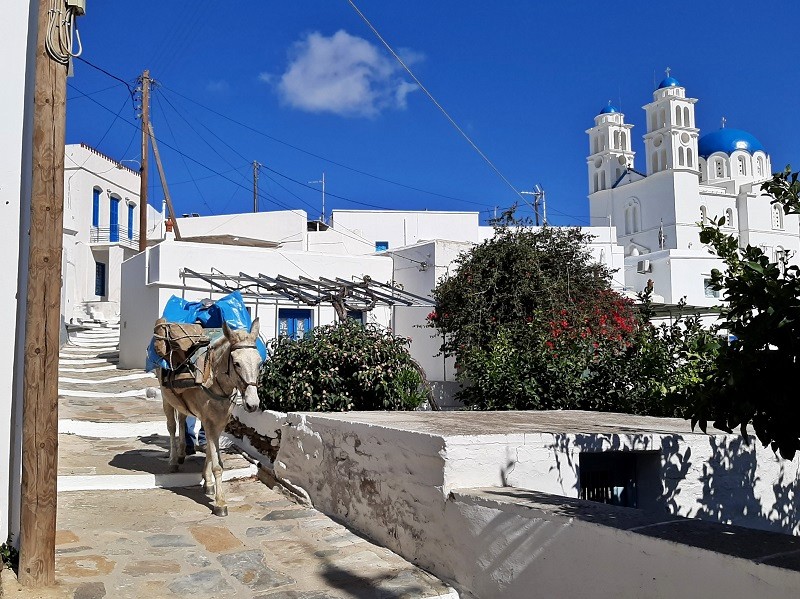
x,y
609,109
669,82
728,141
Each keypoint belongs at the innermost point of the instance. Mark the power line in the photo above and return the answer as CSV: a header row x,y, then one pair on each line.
x,y
436,103
320,157
487,208
165,144
186,166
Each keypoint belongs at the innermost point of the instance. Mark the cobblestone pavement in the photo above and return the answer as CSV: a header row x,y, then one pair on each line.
x,y
162,540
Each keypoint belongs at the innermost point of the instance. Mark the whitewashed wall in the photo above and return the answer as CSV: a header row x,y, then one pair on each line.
x,y
17,42
287,227
84,170
389,475
400,227
148,283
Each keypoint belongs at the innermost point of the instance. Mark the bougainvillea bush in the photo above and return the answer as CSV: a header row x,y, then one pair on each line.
x,y
340,367
533,323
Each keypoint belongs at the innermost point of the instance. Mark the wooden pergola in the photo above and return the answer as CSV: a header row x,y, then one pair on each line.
x,y
361,294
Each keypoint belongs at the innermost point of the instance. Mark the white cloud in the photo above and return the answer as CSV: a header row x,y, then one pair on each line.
x,y
343,74
217,86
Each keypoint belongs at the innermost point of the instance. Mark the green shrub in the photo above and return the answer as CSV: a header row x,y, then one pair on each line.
x,y
341,367
9,556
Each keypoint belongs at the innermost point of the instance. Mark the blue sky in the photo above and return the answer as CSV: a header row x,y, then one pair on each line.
x,y
523,79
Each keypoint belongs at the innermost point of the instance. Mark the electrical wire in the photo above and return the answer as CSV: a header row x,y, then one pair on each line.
x,y
320,157
185,165
435,102
201,164
59,33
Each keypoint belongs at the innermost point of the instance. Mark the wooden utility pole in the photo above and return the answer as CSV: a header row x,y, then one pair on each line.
x,y
164,182
256,166
43,319
145,83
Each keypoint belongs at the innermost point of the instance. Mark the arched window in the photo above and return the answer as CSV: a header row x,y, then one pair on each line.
x,y
689,157
703,215
742,165
623,137
760,166
663,119
680,157
637,218
719,168
678,115
616,140
654,162
653,121
603,145
686,118
664,163
777,217
596,185
595,146
96,206
603,180
113,220
628,220
729,217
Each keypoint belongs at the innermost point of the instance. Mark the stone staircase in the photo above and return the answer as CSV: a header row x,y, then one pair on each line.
x,y
111,434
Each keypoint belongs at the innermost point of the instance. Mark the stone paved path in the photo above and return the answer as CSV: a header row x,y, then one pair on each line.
x,y
127,528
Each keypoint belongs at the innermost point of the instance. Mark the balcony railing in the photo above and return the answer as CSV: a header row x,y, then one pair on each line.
x,y
110,235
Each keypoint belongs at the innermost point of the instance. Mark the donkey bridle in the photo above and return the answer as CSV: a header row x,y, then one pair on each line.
x,y
247,384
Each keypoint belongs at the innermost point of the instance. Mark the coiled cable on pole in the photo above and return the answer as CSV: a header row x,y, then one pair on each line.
x,y
60,29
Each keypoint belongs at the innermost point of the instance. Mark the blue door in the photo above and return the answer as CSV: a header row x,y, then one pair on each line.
x,y
130,221
293,323
113,227
100,279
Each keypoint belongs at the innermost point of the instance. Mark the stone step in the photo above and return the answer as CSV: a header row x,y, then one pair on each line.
x,y
90,378
87,368
91,463
111,411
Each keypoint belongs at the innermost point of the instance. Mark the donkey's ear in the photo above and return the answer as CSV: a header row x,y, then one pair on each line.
x,y
226,330
255,328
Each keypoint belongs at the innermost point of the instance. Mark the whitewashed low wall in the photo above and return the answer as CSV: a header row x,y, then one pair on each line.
x,y
389,475
522,545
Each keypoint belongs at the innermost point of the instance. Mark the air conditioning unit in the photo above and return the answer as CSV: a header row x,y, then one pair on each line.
x,y
643,266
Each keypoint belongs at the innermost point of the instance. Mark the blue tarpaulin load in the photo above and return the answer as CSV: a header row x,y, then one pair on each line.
x,y
229,309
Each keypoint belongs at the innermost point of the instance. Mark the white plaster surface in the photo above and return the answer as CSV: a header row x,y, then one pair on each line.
x,y
389,474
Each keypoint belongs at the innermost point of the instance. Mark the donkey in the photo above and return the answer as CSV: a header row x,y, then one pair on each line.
x,y
234,365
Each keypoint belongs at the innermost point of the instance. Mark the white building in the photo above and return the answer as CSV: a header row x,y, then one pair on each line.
x,y
101,231
688,178
18,45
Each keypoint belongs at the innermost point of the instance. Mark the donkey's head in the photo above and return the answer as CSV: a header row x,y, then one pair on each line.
x,y
245,361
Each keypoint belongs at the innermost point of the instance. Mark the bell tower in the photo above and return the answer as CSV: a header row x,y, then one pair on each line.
x,y
671,138
610,151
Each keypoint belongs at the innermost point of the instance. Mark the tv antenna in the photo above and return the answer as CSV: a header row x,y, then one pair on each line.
x,y
538,201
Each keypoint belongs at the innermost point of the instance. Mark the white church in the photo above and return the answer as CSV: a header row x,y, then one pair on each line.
x,y
687,178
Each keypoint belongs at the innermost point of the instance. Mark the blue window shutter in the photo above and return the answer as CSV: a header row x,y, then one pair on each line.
x,y
113,225
381,246
96,208
130,221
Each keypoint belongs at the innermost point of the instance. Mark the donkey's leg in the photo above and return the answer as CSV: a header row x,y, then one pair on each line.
x,y
208,482
181,437
170,413
212,443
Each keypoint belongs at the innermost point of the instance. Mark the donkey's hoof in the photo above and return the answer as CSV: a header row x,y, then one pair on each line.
x,y
220,510
209,490
181,460
174,467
